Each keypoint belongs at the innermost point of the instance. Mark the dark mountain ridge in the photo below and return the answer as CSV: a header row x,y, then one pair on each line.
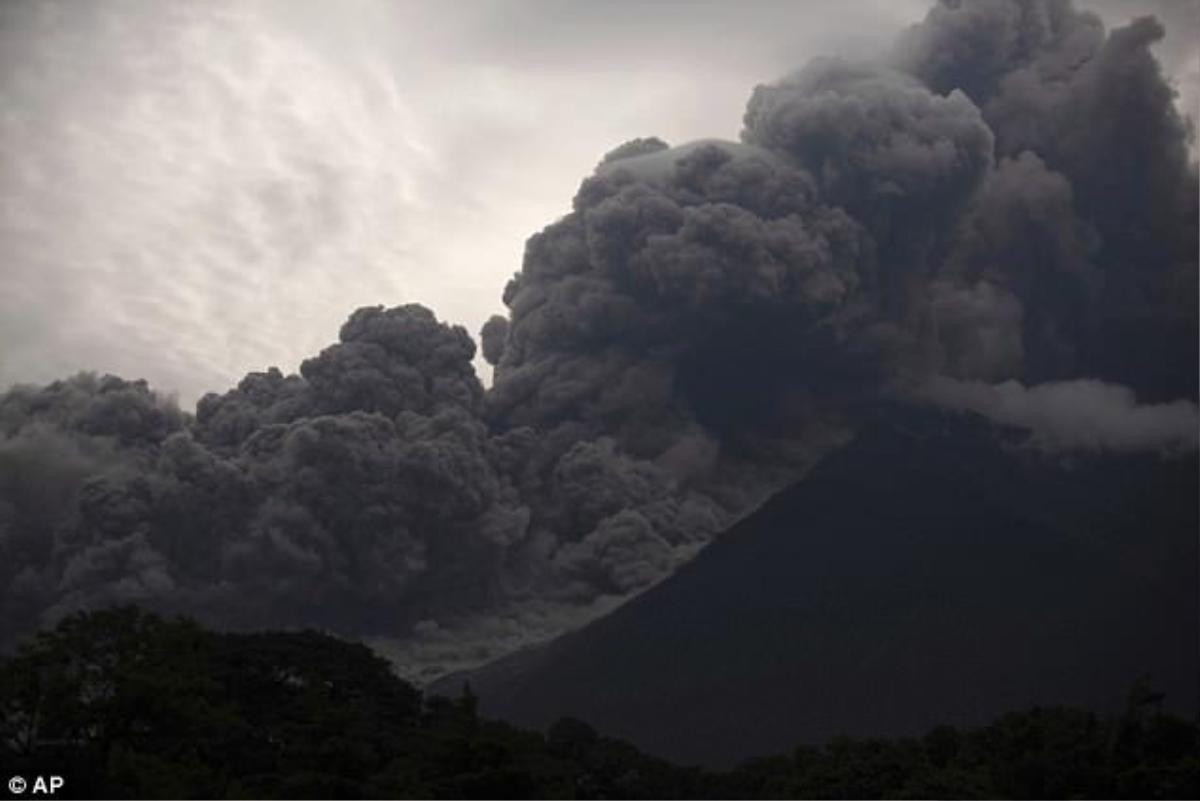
x,y
934,571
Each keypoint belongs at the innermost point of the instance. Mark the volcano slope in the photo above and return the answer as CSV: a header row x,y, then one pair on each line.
x,y
935,571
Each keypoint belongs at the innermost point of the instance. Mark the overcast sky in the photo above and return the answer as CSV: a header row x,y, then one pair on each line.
x,y
190,191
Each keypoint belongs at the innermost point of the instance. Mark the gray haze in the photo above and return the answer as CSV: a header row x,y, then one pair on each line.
x,y
1079,415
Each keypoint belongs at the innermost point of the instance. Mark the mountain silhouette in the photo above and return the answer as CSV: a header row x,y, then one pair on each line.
x,y
934,571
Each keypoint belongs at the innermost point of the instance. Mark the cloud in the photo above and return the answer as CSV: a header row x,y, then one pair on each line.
x,y
191,161
182,185
226,182
492,337
1179,51
1081,415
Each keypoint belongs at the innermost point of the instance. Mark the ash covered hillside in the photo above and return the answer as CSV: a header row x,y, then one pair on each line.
x,y
1000,215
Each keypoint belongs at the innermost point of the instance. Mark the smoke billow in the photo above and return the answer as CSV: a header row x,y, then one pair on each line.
x,y
1094,111
1007,199
1082,415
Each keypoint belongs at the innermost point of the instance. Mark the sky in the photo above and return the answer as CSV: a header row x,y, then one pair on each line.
x,y
191,191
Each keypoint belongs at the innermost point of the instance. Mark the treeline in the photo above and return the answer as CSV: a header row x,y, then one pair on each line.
x,y
122,703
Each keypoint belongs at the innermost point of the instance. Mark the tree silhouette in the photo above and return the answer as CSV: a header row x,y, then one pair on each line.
x,y
126,704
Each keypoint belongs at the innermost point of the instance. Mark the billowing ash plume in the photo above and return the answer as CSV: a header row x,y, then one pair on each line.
x,y
1091,215
1000,218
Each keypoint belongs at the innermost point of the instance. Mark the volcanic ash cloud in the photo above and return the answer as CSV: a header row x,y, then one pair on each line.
x,y
998,217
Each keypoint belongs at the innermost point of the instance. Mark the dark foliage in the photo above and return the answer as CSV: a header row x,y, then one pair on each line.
x,y
126,704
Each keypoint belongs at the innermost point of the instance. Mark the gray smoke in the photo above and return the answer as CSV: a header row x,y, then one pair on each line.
x,y
1081,415
1006,199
